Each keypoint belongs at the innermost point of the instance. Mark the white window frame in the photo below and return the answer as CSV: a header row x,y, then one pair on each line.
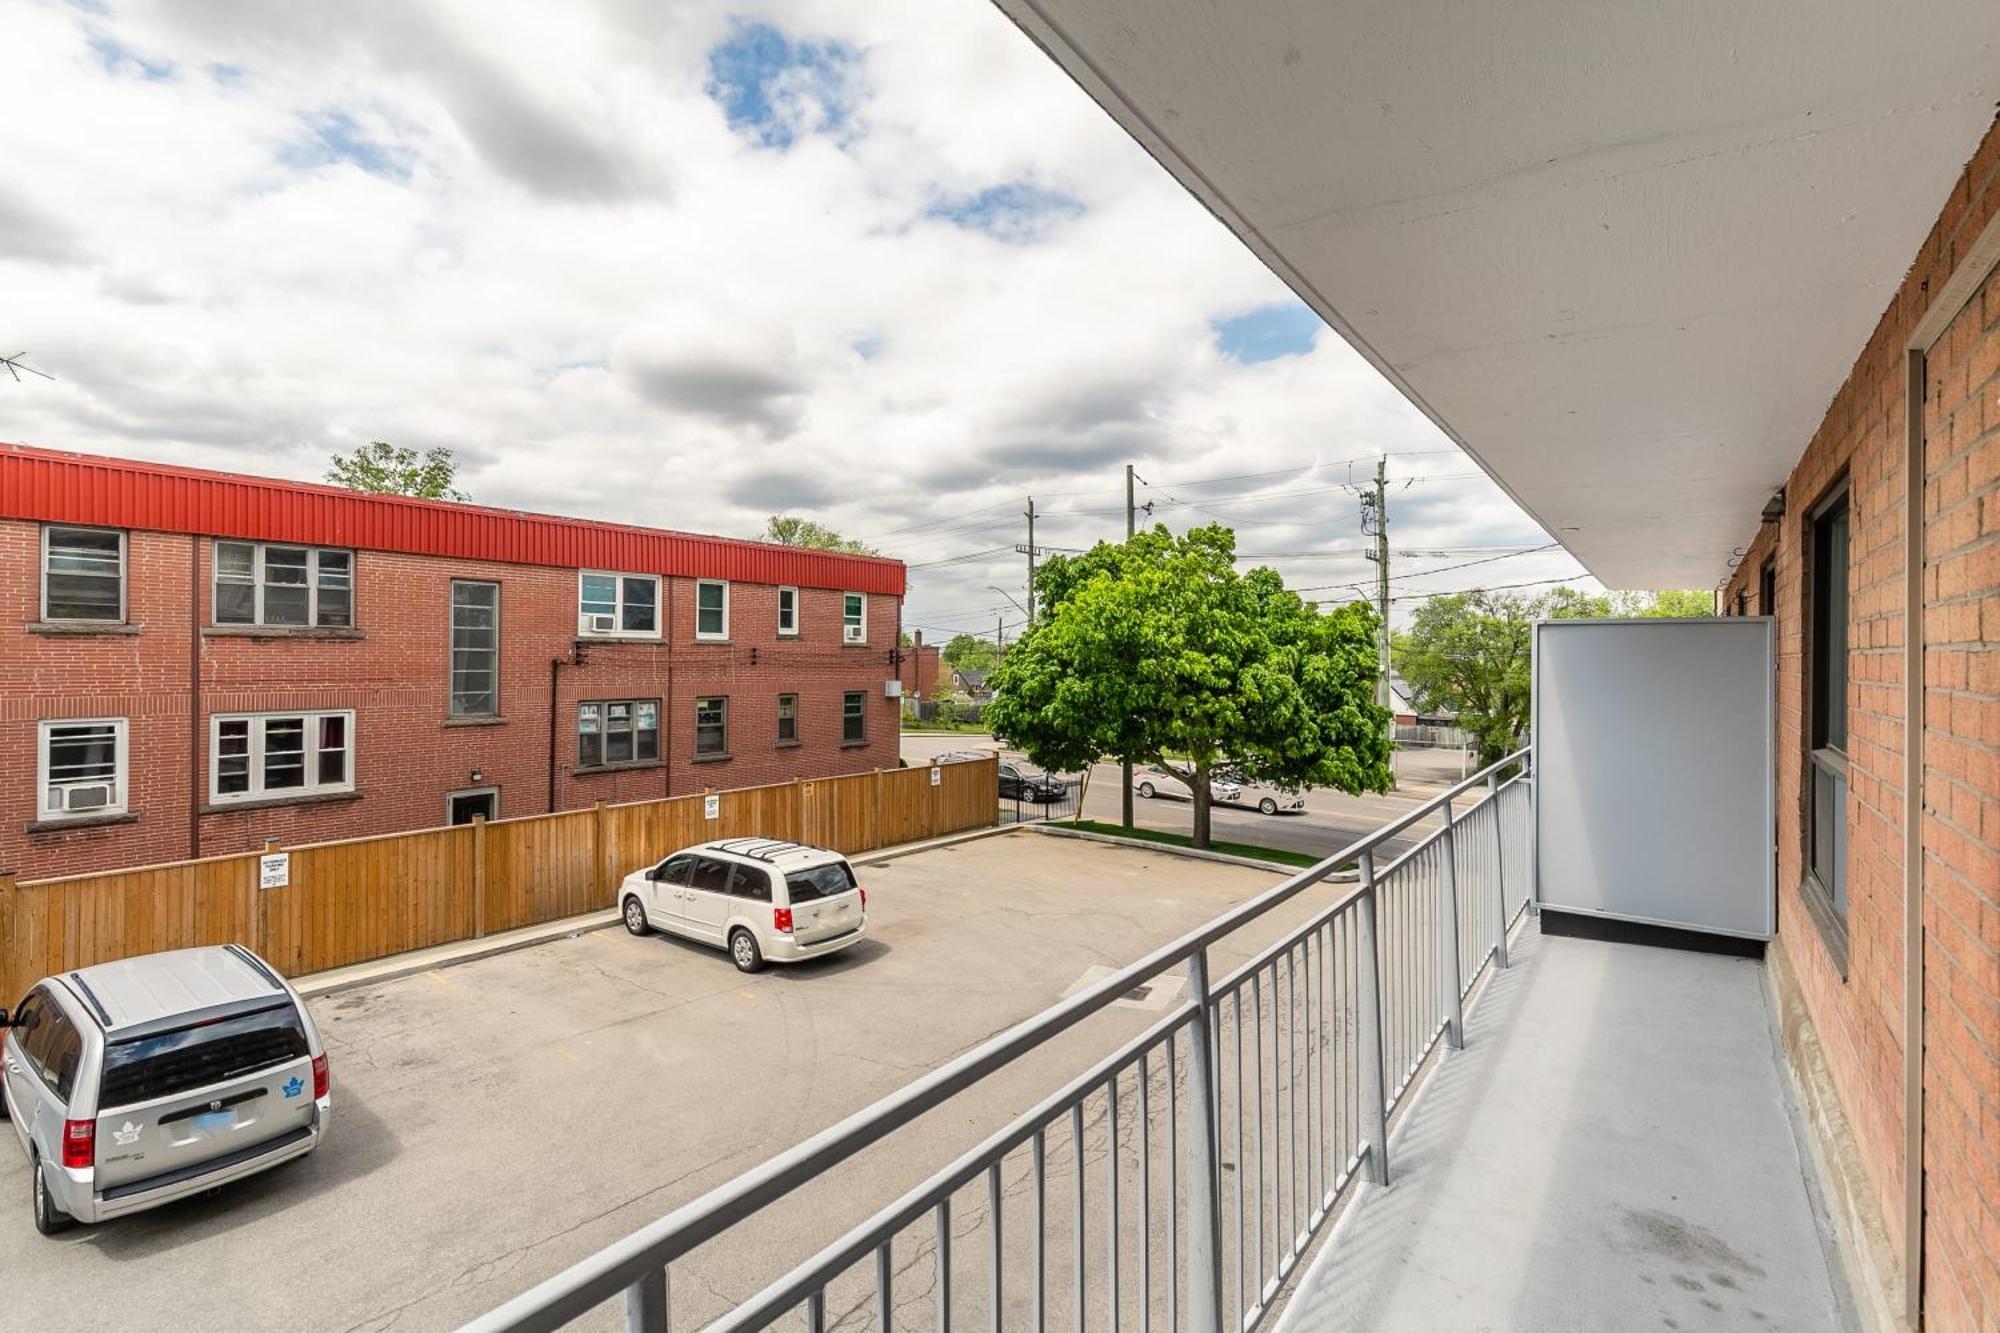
x,y
861,627
124,572
603,733
258,583
785,630
258,721
451,649
121,733
583,631
723,634
846,739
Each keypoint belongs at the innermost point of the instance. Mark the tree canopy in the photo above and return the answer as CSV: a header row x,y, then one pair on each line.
x,y
786,530
381,468
1470,651
1158,650
969,652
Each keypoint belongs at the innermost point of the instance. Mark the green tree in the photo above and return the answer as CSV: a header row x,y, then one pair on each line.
x,y
786,530
381,468
969,652
1159,651
1470,651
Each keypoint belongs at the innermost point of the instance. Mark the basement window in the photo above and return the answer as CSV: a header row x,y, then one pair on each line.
x,y
283,586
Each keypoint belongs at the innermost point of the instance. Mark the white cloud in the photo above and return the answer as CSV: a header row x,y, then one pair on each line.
x,y
249,236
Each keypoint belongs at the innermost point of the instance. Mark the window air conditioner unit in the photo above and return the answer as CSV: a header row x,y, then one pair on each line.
x,y
81,796
854,634
598,624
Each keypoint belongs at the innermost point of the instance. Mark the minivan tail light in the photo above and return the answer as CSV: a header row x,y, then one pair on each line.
x,y
322,1077
79,1148
864,896
781,919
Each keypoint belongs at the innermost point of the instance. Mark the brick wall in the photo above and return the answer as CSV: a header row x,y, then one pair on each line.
x,y
408,751
1859,1013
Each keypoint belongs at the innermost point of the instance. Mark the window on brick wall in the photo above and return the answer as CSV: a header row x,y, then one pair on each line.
x,y
266,755
81,768
83,574
711,609
611,732
788,718
1826,758
711,725
854,716
853,617
283,586
618,605
788,611
475,649
1767,589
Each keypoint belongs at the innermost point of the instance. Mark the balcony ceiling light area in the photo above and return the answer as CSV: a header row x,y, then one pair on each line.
x,y
1625,254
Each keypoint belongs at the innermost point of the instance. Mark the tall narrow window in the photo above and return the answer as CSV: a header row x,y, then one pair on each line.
x,y
283,586
711,726
1827,737
853,617
82,768
788,610
475,649
711,609
853,717
83,574
788,719
1767,588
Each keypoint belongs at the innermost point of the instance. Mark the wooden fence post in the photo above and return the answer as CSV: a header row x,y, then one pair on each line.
x,y
875,827
256,926
936,826
479,877
10,900
600,859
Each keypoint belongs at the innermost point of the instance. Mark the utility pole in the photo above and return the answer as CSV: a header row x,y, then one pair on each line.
x,y
1031,560
1375,523
1125,768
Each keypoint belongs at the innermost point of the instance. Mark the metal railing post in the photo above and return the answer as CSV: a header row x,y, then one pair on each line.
x,y
1448,962
1499,871
1534,781
1374,1096
1204,1179
646,1303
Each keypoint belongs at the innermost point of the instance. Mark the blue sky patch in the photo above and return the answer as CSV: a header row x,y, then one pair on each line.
x,y
1016,212
775,89
1282,328
333,136
117,58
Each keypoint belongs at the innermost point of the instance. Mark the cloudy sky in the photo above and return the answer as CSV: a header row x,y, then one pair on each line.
x,y
873,261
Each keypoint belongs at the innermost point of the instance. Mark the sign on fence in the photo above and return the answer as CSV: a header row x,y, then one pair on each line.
x,y
274,870
937,776
711,806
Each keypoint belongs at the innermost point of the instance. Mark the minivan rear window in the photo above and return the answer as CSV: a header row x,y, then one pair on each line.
x,y
201,1054
819,882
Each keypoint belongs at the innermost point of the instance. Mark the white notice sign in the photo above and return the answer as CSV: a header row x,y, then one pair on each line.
x,y
274,870
937,775
711,807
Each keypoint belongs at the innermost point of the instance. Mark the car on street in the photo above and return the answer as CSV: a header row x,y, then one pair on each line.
x,y
1154,781
1018,784
134,1083
1261,796
763,900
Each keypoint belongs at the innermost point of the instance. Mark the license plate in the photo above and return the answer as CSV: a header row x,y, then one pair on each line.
x,y
210,1121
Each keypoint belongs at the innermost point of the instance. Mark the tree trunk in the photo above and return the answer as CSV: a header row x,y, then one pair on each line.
x,y
1200,789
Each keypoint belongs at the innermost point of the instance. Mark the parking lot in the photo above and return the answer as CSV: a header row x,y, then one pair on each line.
x,y
496,1121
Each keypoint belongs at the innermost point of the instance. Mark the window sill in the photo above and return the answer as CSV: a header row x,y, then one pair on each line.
x,y
861,744
712,640
711,758
599,640
494,721
790,745
79,629
1832,930
272,802
82,821
587,770
332,632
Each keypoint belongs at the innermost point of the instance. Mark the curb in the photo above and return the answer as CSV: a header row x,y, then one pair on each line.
x,y
1192,853
397,966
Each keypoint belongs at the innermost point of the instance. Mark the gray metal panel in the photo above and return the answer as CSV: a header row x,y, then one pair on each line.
x,y
1653,767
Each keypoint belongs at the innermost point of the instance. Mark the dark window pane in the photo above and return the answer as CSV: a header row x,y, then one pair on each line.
x,y
235,603
286,605
710,874
854,717
640,614
336,607
284,753
83,576
232,765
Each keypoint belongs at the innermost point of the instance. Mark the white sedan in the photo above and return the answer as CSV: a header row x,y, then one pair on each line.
x,y
1153,781
1265,798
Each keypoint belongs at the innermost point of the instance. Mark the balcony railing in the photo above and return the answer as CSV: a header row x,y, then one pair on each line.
x,y
1201,1159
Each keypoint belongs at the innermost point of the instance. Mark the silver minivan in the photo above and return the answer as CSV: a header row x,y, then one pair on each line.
x,y
762,899
135,1083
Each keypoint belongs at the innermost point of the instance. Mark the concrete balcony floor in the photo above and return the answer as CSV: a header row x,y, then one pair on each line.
x,y
1615,1148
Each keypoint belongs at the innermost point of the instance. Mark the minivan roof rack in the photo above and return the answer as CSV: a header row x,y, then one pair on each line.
x,y
760,849
103,1014
255,964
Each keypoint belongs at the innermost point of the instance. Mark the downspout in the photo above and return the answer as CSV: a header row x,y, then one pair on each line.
x,y
194,696
1913,838
667,721
555,665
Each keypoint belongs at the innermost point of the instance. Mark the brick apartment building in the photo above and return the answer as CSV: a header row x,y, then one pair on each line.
x,y
919,668
194,662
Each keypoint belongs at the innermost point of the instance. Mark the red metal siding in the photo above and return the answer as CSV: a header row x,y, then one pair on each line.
x,y
61,487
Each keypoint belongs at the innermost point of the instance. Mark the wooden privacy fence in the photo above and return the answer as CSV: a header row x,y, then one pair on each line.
x,y
348,902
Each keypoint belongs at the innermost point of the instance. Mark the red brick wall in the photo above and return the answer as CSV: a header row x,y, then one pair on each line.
x,y
408,753
919,671
1860,1015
